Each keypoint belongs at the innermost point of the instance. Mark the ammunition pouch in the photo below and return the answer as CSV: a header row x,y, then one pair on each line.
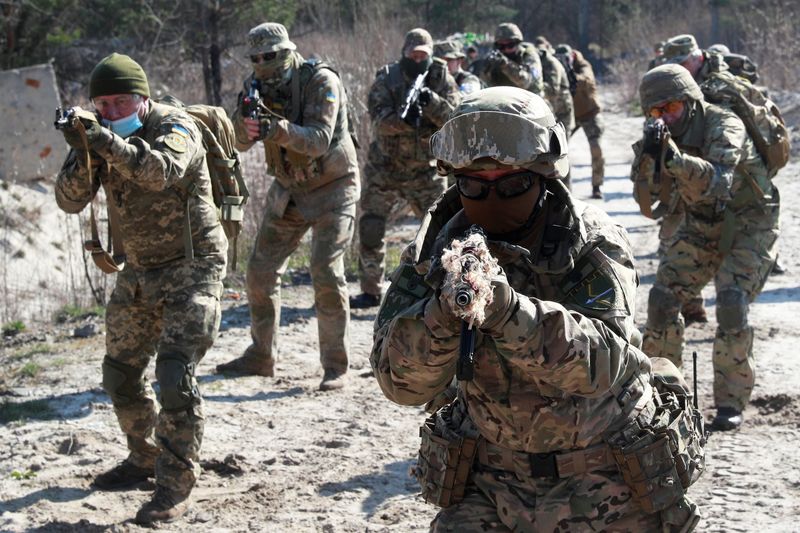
x,y
660,459
446,454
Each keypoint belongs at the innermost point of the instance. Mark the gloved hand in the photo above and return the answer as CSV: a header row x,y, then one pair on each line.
x,y
414,113
503,306
497,58
425,97
94,133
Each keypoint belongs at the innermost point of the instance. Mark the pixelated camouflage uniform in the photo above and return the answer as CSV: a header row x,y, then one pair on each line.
x,y
523,70
316,186
399,162
587,113
559,375
728,234
163,304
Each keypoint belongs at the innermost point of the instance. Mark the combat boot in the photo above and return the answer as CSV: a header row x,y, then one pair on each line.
x,y
124,475
364,301
597,194
727,418
332,380
166,505
249,365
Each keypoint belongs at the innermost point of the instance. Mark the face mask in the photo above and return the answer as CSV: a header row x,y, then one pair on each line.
x,y
273,72
502,215
414,69
125,126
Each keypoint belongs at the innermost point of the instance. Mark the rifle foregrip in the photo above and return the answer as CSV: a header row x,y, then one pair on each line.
x,y
465,370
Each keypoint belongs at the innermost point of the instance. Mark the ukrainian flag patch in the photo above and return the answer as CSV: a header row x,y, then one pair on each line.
x,y
330,97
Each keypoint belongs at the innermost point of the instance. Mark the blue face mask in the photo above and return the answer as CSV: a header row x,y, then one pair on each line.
x,y
125,126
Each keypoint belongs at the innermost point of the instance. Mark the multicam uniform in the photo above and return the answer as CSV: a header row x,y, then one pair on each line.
x,y
557,376
731,225
399,162
313,159
556,89
524,70
587,112
163,304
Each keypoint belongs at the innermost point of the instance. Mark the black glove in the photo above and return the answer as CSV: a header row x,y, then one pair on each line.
x,y
413,115
425,97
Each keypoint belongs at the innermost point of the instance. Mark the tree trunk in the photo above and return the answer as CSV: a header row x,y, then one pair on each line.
x,y
214,52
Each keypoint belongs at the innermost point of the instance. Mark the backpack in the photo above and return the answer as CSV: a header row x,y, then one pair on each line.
x,y
760,115
228,189
742,66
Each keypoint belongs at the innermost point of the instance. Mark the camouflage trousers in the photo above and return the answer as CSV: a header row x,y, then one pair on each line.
x,y
174,314
670,223
278,237
689,263
593,128
418,185
514,501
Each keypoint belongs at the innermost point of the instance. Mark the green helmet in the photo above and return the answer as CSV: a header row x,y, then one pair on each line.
x,y
667,83
507,31
506,125
418,39
447,50
268,37
680,47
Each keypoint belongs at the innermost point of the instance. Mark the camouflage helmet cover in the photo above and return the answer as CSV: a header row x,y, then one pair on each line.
x,y
680,47
268,37
448,50
507,31
509,125
564,49
719,48
418,39
667,83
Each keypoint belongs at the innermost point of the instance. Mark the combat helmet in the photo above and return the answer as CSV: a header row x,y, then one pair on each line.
x,y
667,83
677,49
563,49
268,37
508,125
508,31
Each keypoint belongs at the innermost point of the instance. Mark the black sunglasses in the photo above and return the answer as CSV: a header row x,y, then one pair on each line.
x,y
261,58
506,45
508,186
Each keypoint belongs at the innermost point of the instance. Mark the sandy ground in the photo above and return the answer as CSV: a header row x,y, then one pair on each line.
x,y
280,456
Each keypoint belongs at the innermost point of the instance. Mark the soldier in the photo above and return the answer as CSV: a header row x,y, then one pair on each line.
x,y
450,52
555,372
513,62
399,162
729,232
658,55
166,301
303,127
583,88
556,85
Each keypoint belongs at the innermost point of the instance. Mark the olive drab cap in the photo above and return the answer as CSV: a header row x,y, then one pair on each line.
x,y
418,39
678,48
667,83
507,31
268,37
118,74
448,50
509,125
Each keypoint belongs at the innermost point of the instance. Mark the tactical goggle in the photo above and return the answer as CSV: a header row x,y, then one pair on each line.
x,y
670,108
263,58
506,45
508,186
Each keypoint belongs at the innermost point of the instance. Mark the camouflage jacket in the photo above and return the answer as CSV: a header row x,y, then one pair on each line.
x,y
398,142
716,167
525,71
141,175
556,89
561,373
310,151
585,99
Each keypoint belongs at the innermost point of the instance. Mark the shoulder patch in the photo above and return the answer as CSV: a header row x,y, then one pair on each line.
x,y
330,97
593,285
180,130
175,142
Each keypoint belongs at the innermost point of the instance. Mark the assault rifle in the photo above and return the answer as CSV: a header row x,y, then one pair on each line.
x,y
655,136
252,101
64,118
412,98
469,268
573,80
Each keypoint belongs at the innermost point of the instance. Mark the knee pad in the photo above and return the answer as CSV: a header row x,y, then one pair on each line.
x,y
371,230
732,308
123,383
662,307
177,390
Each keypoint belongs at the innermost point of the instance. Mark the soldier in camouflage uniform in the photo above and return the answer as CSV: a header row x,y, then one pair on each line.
x,y
303,128
450,52
512,63
555,371
587,108
166,301
731,209
399,162
556,85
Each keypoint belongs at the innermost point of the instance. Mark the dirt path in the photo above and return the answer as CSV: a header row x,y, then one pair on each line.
x,y
281,456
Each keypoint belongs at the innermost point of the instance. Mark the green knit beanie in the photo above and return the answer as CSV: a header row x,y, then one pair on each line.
x,y
118,74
